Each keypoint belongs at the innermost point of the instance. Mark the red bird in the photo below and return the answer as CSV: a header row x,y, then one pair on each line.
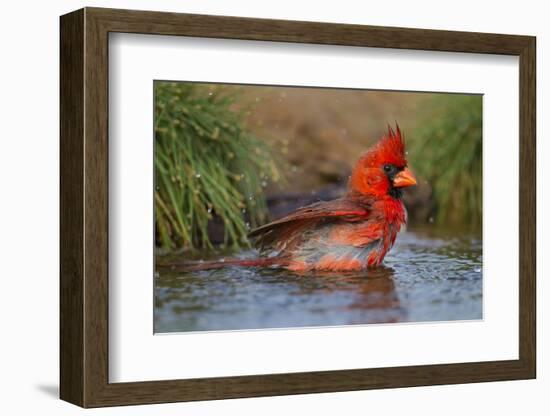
x,y
347,234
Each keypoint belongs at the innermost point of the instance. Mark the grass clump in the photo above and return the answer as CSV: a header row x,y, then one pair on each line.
x,y
206,165
447,152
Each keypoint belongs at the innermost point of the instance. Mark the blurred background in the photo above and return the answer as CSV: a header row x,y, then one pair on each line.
x,y
231,157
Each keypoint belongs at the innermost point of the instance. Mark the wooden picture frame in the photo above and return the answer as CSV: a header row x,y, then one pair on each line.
x,y
84,207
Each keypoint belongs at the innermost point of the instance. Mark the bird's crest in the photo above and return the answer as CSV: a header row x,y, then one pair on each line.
x,y
390,149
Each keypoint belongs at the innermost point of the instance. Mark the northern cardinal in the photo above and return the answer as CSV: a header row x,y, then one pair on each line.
x,y
351,233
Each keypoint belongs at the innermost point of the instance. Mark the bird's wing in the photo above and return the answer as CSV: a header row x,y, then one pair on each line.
x,y
287,230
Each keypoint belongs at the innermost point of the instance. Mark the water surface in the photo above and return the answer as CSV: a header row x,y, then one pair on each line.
x,y
428,276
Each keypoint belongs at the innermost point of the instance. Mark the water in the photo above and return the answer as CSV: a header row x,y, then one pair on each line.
x,y
427,277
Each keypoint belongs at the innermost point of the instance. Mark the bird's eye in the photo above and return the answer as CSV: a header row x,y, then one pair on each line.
x,y
388,168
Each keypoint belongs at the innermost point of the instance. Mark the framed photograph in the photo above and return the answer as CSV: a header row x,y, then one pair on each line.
x,y
254,207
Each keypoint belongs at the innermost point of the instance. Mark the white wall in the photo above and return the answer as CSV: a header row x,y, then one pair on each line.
x,y
29,211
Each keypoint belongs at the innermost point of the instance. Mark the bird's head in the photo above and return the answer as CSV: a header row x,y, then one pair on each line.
x,y
382,171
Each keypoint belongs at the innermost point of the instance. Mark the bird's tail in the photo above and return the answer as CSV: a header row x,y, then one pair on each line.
x,y
219,264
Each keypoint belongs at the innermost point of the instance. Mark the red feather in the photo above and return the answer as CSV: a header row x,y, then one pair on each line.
x,y
287,230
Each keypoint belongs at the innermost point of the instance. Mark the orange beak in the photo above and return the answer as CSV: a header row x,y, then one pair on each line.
x,y
403,179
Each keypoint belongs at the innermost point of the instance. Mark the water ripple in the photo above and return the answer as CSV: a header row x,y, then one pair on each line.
x,y
426,277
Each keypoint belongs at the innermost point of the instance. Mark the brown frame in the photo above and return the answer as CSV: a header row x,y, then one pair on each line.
x,y
84,208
